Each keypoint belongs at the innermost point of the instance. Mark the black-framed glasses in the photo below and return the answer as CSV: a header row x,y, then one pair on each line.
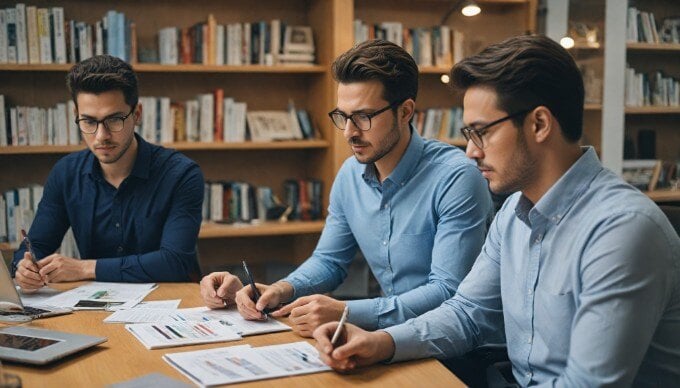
x,y
360,120
89,125
476,134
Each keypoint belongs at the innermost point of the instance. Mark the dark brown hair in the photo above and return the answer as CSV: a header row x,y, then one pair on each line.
x,y
103,73
383,61
525,72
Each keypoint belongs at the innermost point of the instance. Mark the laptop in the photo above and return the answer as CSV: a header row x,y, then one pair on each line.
x,y
11,308
39,346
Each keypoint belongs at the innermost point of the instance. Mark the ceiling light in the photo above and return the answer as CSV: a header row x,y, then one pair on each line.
x,y
567,42
470,8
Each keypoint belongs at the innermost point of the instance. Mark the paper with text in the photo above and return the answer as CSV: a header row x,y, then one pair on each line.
x,y
198,314
124,294
165,335
236,364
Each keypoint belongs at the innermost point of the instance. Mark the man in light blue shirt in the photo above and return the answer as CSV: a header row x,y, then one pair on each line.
x,y
417,209
580,272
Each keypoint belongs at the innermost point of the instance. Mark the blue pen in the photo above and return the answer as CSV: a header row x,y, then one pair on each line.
x,y
256,293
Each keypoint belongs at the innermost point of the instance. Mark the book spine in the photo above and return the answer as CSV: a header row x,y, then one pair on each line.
x,y
22,44
33,36
44,35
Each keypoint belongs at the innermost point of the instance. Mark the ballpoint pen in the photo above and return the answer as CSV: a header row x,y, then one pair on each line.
x,y
256,293
341,324
29,247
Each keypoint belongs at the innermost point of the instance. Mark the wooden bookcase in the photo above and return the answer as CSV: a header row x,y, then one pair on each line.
x,y
262,87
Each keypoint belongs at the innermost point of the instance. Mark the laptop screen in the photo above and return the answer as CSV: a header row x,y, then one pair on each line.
x,y
8,292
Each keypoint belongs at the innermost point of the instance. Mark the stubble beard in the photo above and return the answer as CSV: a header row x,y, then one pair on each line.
x,y
386,145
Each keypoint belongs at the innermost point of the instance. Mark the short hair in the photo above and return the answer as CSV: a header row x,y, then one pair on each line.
x,y
383,61
103,73
525,72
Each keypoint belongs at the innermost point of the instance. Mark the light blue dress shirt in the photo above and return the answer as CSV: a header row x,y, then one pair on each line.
x,y
420,232
585,285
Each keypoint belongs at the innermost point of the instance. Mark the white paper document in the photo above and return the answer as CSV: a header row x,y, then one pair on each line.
x,y
230,317
237,364
165,335
100,295
38,297
159,304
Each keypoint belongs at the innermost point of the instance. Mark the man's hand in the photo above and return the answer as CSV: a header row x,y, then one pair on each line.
x,y
57,268
219,289
309,312
354,348
270,297
28,275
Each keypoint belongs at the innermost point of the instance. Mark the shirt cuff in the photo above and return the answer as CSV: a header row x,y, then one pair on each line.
x,y
108,270
405,345
363,313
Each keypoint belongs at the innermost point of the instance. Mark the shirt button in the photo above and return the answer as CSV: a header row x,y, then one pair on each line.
x,y
386,206
120,249
529,340
385,242
117,224
529,291
528,374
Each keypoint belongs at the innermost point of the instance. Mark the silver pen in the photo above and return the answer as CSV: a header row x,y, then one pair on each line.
x,y
338,329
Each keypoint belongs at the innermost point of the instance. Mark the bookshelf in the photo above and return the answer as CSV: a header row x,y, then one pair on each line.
x,y
607,125
262,87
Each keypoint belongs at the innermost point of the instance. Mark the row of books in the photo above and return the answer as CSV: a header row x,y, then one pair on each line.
x,y
30,125
642,27
17,209
439,123
32,35
655,90
429,46
259,42
240,202
650,174
209,117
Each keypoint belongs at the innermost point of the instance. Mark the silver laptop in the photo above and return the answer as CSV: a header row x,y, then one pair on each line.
x,y
11,308
39,346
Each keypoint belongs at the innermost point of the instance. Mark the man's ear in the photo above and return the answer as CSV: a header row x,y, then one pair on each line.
x,y
543,123
407,110
138,114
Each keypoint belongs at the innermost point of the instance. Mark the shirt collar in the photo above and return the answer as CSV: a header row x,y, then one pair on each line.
x,y
140,169
406,165
557,201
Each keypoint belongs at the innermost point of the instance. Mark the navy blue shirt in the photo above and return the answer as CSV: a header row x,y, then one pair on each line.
x,y
144,231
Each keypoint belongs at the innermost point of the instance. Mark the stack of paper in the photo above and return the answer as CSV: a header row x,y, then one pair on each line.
x,y
229,317
237,364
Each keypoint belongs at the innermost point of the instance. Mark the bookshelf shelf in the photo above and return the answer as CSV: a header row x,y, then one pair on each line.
x,y
271,228
592,107
43,149
184,146
641,110
157,68
666,195
5,247
434,70
638,46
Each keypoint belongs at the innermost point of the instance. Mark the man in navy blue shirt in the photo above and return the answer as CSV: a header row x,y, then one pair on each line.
x,y
135,208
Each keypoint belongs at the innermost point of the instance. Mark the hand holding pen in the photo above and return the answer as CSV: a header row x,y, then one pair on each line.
x,y
341,325
34,258
255,293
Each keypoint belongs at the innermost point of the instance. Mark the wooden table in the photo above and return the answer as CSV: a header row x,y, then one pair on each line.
x,y
123,357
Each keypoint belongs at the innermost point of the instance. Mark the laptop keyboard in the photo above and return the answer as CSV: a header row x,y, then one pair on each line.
x,y
31,311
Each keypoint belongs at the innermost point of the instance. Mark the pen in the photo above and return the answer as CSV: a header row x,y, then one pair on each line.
x,y
338,329
256,293
29,247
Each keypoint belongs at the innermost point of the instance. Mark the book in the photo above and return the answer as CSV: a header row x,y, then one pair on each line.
x,y
59,35
32,34
642,173
3,36
22,41
44,35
